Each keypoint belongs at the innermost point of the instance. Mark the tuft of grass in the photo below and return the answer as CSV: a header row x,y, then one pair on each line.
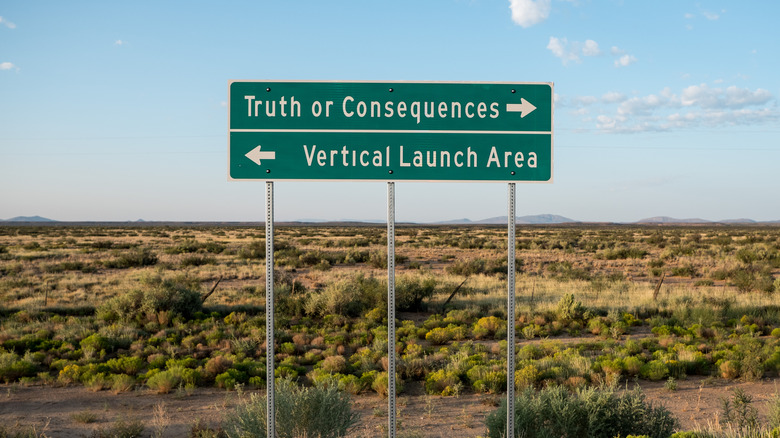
x,y
84,417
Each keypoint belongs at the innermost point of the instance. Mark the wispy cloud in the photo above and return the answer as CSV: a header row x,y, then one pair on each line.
x,y
6,23
572,51
693,106
8,66
625,61
120,43
526,13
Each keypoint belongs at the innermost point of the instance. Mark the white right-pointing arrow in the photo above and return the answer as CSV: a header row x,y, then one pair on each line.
x,y
524,107
256,155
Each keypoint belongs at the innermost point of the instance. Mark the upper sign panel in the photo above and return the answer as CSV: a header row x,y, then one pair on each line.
x,y
280,130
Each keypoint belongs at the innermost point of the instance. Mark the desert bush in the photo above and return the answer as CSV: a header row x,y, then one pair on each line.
x,y
334,364
526,377
120,429
129,365
156,295
132,259
351,297
301,412
380,384
438,336
590,412
122,383
485,378
488,327
170,379
729,369
569,309
623,252
197,260
230,378
443,382
255,250
13,367
410,291
739,412
654,370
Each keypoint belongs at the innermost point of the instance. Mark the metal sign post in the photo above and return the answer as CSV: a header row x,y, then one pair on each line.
x,y
510,317
269,310
391,309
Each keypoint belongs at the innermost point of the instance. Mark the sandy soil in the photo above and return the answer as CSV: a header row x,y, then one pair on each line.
x,y
55,410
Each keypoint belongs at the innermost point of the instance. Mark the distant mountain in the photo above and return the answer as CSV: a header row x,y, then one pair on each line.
x,y
462,221
538,219
672,220
29,219
738,221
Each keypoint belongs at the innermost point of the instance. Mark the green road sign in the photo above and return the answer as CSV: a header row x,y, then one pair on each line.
x,y
394,131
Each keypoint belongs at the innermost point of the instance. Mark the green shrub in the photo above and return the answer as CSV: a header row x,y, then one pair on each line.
x,y
230,378
444,382
253,251
527,376
380,383
334,364
569,309
739,413
322,412
350,297
132,259
488,327
12,367
438,336
122,383
590,412
168,380
410,291
156,296
654,370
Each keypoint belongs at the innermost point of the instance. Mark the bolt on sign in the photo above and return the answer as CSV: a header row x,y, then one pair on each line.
x,y
390,131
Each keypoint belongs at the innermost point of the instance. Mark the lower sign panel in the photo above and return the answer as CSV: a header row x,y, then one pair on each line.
x,y
372,156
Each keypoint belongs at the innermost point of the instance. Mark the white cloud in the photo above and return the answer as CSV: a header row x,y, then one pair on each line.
x,y
7,23
8,66
120,43
615,51
571,52
613,97
560,48
591,48
710,15
693,106
526,13
625,61
732,97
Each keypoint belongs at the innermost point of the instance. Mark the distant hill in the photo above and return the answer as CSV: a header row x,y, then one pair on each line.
x,y
671,220
738,221
521,220
29,219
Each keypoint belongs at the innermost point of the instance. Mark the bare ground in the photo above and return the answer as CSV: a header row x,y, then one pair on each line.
x,y
55,410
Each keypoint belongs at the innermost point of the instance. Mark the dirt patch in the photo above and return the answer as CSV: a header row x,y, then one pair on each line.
x,y
55,410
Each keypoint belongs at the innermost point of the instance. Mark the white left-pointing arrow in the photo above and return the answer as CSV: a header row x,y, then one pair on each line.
x,y
524,107
256,155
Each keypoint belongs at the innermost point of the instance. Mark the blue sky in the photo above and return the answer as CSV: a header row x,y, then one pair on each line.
x,y
117,111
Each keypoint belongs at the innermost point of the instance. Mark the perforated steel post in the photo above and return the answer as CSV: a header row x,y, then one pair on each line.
x,y
269,309
391,310
510,316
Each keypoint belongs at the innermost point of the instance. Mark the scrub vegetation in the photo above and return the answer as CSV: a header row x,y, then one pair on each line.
x,y
172,308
